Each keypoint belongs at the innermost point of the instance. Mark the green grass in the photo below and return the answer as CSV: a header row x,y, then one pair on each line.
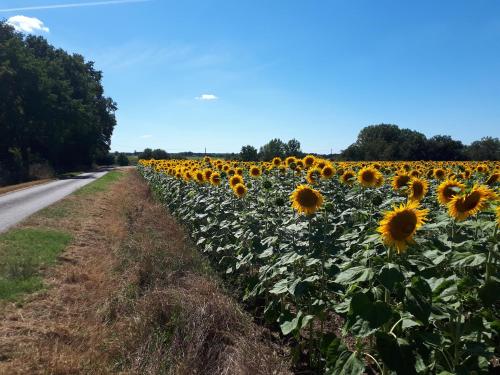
x,y
22,253
100,184
59,210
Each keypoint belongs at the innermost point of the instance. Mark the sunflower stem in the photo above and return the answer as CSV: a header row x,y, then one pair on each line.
x,y
490,256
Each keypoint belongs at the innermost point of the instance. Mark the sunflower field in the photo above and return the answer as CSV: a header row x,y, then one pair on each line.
x,y
363,267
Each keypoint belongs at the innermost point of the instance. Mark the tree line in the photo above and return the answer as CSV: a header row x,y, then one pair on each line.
x,y
387,142
53,110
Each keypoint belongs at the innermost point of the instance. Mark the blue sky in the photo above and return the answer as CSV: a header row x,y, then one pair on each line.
x,y
318,71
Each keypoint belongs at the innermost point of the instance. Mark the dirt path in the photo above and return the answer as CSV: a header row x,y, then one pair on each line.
x,y
130,295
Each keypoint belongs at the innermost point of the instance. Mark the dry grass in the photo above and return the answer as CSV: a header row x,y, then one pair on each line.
x,y
130,296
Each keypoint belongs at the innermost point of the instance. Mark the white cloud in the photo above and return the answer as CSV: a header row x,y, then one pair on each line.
x,y
146,136
207,97
27,24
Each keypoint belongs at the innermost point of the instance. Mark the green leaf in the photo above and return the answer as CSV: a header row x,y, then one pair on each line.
x,y
366,316
467,259
389,276
396,354
348,363
290,326
280,287
490,293
354,275
418,299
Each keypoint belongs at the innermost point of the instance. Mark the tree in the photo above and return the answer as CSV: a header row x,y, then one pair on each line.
x,y
386,142
248,153
147,154
160,154
443,147
52,105
488,148
389,142
275,147
122,159
292,148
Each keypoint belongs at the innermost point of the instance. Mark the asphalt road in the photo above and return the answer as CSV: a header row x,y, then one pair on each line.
x,y
18,205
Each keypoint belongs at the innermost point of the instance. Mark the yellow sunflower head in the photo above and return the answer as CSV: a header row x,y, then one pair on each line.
x,y
370,177
240,190
448,189
348,177
398,226
306,200
215,179
235,180
417,189
439,173
276,161
255,171
460,207
313,175
207,173
400,180
327,172
309,161
493,179
290,160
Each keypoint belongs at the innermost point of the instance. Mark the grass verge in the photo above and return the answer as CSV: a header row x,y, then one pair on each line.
x,y
22,253
100,184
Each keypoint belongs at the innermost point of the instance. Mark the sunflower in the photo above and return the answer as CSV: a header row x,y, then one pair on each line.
x,y
313,175
327,172
240,190
235,180
448,189
417,189
320,163
255,171
215,179
306,200
482,168
207,173
439,173
276,162
309,161
399,225
493,179
290,160
370,177
348,177
461,207
400,180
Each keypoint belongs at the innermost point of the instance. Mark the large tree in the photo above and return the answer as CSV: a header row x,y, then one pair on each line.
x,y
488,148
52,106
248,153
275,147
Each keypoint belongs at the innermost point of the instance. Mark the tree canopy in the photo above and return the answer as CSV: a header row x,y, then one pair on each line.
x,y
52,107
389,142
